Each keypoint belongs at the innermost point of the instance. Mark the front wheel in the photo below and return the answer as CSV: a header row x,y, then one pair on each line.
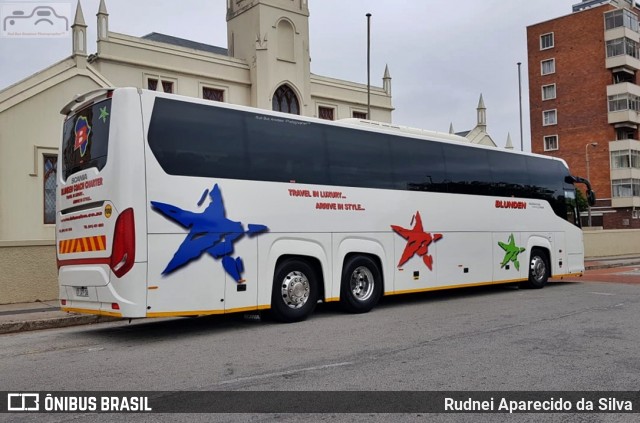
x,y
539,270
295,291
361,284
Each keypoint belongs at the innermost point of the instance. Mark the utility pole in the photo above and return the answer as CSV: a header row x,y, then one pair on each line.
x,y
520,100
369,66
586,153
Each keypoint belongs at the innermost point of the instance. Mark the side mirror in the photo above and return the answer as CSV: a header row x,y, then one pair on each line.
x,y
591,197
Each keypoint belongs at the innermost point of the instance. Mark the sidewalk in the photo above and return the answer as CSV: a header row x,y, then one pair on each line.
x,y
47,315
41,315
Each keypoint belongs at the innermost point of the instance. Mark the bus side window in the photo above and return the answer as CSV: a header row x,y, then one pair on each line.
x,y
468,170
363,161
418,165
573,215
195,140
510,175
285,152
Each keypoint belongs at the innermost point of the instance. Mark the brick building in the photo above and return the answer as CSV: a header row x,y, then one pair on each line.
x,y
585,102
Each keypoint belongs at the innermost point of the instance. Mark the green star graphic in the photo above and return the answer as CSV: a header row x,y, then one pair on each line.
x,y
511,254
103,114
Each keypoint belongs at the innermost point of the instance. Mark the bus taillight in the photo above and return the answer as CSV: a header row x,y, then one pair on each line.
x,y
124,244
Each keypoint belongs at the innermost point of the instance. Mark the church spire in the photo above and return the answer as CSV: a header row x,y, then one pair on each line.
x,y
386,81
482,114
79,32
103,22
509,145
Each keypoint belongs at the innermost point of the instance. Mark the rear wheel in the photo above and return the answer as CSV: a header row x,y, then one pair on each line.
x,y
361,284
539,270
295,290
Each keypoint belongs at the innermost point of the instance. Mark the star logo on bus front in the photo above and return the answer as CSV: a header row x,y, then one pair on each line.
x,y
210,232
82,131
418,242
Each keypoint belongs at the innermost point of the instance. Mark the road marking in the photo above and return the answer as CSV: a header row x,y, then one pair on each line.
x,y
288,372
601,293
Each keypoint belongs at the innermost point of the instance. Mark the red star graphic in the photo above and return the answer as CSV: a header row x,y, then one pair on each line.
x,y
418,242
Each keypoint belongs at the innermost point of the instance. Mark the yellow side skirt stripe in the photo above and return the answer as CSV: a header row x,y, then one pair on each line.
x,y
207,312
267,307
90,311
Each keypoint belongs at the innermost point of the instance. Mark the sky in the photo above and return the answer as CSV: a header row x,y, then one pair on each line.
x,y
442,54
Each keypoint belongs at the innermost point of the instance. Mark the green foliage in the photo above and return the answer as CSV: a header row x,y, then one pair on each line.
x,y
581,199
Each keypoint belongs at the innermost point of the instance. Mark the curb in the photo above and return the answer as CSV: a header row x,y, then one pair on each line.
x,y
56,322
612,265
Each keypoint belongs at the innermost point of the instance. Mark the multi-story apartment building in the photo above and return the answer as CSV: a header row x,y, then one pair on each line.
x,y
584,91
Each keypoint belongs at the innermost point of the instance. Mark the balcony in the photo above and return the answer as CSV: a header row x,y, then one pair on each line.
x,y
624,103
623,52
621,32
625,173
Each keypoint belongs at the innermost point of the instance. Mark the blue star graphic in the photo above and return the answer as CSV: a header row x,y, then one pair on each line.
x,y
210,232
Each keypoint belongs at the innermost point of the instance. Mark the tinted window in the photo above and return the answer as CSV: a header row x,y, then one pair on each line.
x,y
547,182
468,170
358,158
195,140
284,150
204,140
510,174
418,165
86,139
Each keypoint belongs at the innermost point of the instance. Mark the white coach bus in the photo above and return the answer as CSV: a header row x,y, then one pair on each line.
x,y
174,206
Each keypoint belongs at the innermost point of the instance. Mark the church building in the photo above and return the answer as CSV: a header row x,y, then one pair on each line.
x,y
265,64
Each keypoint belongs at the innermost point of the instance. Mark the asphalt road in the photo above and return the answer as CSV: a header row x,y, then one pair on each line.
x,y
566,337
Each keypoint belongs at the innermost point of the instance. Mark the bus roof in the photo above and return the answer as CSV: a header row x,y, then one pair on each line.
x,y
403,129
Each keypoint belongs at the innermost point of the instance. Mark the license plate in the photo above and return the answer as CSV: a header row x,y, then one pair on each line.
x,y
82,291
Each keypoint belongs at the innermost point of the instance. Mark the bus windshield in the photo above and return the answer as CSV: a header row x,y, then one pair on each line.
x,y
85,139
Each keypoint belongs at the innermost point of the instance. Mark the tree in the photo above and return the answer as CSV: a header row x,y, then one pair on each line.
x,y
581,201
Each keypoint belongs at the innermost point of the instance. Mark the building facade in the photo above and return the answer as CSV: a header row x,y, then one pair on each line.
x,y
584,96
266,64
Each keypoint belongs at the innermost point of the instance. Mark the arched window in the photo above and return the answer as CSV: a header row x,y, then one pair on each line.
x,y
285,41
285,100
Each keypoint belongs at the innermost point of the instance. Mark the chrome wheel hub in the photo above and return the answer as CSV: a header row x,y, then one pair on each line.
x,y
362,283
295,289
538,268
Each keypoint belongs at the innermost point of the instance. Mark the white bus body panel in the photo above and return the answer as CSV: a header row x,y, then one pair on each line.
x,y
121,186
325,223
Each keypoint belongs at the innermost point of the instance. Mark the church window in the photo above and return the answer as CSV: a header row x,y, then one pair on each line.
x,y
285,100
49,188
327,113
167,86
157,83
212,94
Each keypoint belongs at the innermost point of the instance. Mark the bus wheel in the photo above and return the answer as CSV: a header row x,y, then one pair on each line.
x,y
295,291
538,269
361,284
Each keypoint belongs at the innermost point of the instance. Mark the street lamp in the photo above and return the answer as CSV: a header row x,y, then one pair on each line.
x,y
586,154
520,98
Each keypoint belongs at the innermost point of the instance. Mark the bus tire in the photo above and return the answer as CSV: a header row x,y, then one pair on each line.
x,y
539,269
361,284
295,290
